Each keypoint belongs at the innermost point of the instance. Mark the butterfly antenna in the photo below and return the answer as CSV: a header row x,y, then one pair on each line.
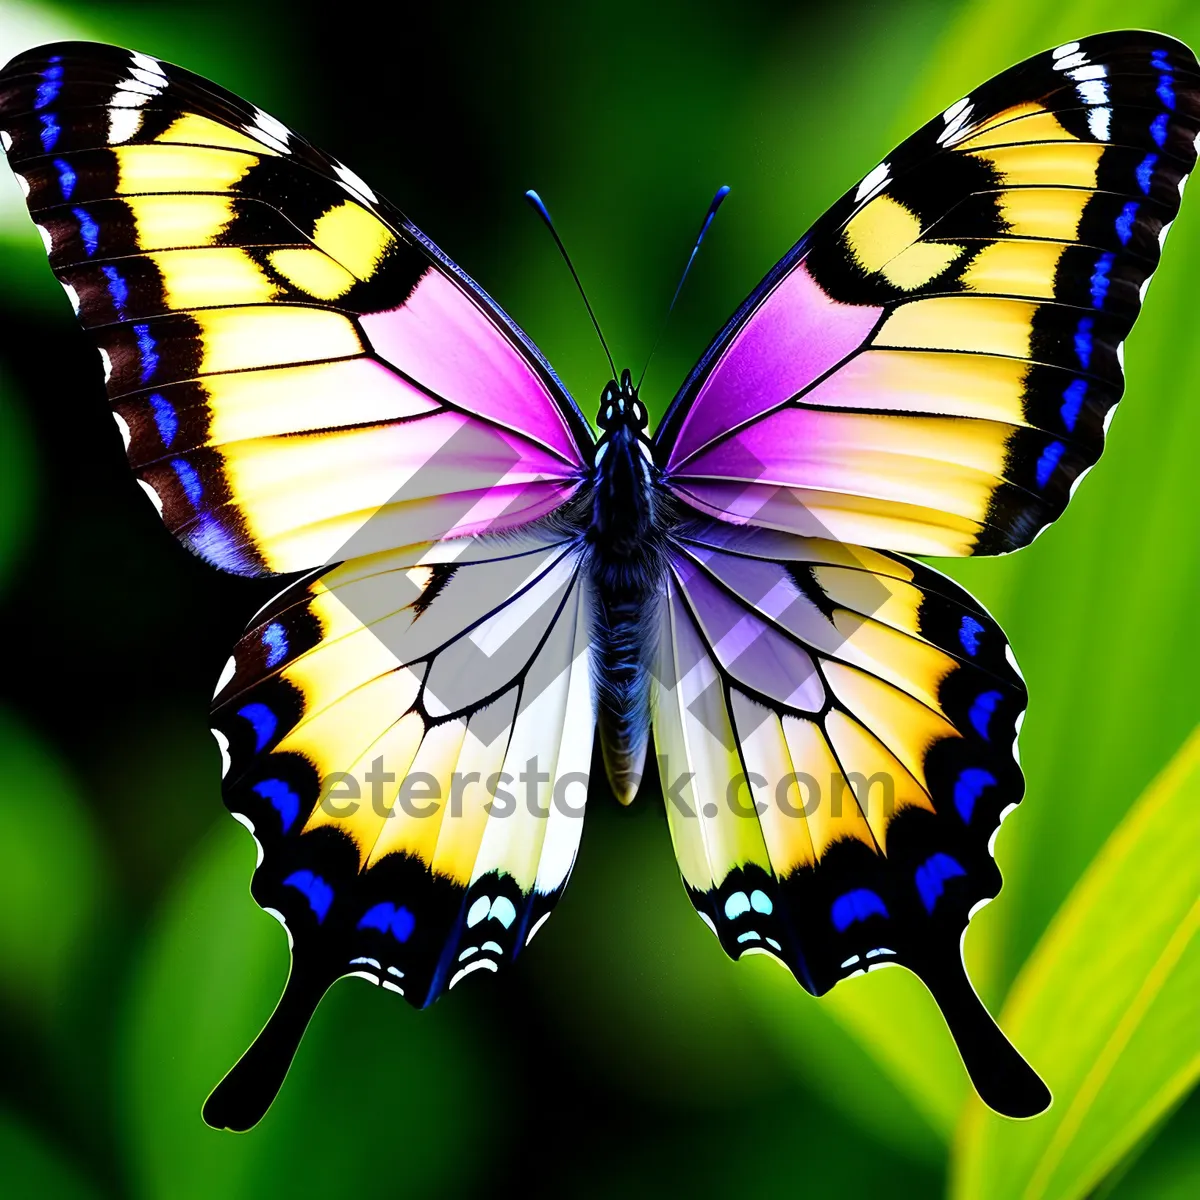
x,y
535,202
717,201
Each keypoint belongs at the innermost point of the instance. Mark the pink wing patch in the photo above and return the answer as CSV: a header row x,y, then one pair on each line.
x,y
441,338
795,335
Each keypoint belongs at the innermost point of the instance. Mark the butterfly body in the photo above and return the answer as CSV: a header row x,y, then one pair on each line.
x,y
627,537
305,383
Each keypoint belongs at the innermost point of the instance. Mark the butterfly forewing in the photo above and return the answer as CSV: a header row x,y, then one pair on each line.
x,y
932,369
290,361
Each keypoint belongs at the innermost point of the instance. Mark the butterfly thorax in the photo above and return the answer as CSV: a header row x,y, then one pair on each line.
x,y
623,500
626,534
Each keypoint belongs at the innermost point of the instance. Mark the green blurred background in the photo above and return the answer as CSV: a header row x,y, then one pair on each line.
x,y
623,1055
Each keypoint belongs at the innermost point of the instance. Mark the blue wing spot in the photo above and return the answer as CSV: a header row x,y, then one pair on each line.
x,y
968,787
51,84
189,477
283,800
209,538
761,902
982,710
262,721
1050,458
50,131
1145,171
318,893
148,349
857,905
1083,341
1073,398
1101,279
274,638
968,635
389,918
1158,131
932,875
165,418
1124,222
88,230
118,290
66,177
736,905
1165,90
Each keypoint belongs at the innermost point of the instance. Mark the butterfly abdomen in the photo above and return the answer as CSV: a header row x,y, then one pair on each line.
x,y
623,618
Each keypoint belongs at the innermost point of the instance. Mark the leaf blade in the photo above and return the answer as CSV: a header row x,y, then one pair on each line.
x,y
1105,1007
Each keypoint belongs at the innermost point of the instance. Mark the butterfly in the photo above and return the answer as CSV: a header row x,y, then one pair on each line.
x,y
307,386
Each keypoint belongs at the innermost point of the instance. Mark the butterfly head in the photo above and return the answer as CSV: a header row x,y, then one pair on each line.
x,y
619,405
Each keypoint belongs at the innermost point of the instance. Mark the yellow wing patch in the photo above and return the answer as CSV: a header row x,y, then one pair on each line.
x,y
313,272
1044,212
1015,268
831,808
954,385
167,222
788,839
904,724
980,324
880,786
212,277
881,230
238,339
179,169
921,263
266,403
1037,126
883,235
193,129
1065,164
355,238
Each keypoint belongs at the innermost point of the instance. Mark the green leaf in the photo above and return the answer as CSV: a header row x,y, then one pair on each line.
x,y
30,1166
380,1101
1169,1168
51,872
1105,1008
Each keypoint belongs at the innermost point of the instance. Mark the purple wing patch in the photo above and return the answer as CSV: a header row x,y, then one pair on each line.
x,y
795,334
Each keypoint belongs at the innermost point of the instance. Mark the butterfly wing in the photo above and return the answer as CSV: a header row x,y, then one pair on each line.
x,y
304,381
407,735
933,367
291,362
836,729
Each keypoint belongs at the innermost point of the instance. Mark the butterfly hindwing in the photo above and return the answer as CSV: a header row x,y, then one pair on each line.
x,y
292,364
407,737
836,730
932,369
